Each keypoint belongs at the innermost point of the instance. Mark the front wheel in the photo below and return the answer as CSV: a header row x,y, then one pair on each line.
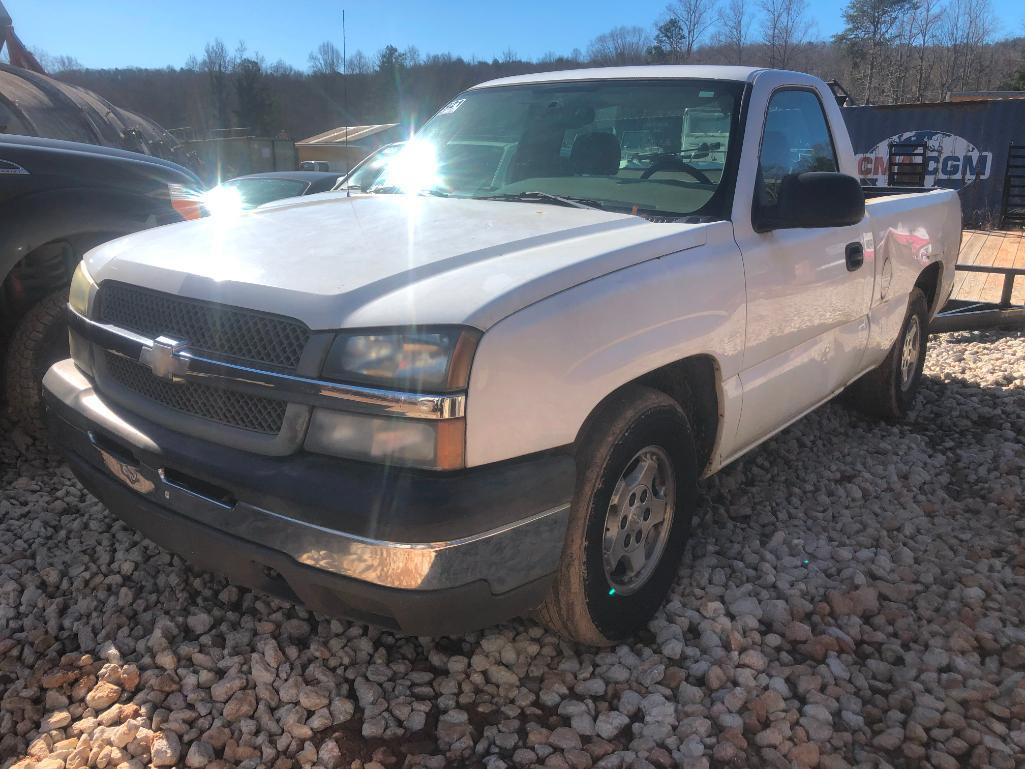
x,y
39,340
888,391
630,519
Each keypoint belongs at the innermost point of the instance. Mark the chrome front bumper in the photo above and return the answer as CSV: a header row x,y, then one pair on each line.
x,y
135,453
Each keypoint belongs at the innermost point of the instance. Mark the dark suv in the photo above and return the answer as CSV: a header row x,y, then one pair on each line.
x,y
58,199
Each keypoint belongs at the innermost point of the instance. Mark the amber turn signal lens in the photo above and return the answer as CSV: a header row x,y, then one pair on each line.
x,y
188,203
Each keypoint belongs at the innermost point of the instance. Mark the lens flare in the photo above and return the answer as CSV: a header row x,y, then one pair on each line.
x,y
415,168
223,201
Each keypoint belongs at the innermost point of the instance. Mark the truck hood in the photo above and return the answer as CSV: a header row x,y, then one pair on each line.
x,y
386,260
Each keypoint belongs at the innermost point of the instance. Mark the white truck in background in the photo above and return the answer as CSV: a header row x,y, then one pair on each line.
x,y
490,385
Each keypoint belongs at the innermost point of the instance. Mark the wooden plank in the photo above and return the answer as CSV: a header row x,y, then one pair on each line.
x,y
1010,243
970,250
971,244
1018,294
971,287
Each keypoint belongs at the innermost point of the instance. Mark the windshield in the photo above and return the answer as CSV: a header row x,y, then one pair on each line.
x,y
369,170
651,147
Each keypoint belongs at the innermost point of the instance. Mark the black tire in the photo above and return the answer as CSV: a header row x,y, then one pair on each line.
x,y
579,605
886,392
39,340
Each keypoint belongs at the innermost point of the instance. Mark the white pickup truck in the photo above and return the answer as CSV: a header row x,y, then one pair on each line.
x,y
490,385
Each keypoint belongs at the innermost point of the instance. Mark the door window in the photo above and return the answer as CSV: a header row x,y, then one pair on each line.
x,y
795,139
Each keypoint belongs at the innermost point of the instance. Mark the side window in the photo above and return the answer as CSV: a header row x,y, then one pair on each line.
x,y
795,139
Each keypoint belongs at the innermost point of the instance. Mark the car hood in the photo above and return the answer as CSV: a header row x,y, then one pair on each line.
x,y
37,143
385,260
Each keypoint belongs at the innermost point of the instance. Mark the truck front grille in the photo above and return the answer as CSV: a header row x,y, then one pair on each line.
x,y
239,410
216,331
213,330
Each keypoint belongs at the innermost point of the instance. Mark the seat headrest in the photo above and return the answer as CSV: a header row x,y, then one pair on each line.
x,y
596,154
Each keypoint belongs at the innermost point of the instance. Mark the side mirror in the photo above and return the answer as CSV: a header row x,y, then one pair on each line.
x,y
813,199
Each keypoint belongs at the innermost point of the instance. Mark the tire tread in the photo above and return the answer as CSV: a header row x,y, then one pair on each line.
x,y
24,392
565,608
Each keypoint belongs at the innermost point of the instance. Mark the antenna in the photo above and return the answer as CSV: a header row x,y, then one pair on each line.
x,y
345,99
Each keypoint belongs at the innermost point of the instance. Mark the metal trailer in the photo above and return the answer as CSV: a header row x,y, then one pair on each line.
x,y
969,315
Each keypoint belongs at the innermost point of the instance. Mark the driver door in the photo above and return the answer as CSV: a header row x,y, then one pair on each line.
x,y
807,300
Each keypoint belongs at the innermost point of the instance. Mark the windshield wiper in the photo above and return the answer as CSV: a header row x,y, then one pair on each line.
x,y
543,197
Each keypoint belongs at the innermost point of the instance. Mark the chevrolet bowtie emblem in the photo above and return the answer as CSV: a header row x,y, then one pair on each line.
x,y
163,359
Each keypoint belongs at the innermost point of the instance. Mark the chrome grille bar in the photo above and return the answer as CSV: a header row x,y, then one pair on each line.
x,y
276,385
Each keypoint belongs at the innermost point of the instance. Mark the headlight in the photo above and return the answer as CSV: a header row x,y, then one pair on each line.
x,y
416,360
80,297
82,288
419,360
437,444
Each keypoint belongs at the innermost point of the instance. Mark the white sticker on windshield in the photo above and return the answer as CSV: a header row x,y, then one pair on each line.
x,y
452,107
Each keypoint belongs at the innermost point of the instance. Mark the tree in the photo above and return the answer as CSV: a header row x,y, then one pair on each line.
x,y
55,64
217,64
411,57
784,27
359,64
978,33
325,59
391,66
282,68
927,14
734,28
868,31
694,18
965,29
390,60
670,42
1017,81
64,63
255,106
619,46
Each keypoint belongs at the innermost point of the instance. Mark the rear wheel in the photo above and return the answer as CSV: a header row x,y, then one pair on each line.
x,y
889,391
40,339
630,519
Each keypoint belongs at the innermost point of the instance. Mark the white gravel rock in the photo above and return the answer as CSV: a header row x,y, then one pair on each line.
x,y
852,596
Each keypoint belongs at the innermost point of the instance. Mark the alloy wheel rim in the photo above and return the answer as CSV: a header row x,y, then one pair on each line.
x,y
910,352
638,521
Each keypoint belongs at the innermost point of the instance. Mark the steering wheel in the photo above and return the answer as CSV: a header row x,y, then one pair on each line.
x,y
675,164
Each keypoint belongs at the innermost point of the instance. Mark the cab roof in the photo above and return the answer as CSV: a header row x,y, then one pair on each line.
x,y
646,72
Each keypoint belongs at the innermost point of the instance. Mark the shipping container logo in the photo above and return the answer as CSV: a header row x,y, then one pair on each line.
x,y
951,161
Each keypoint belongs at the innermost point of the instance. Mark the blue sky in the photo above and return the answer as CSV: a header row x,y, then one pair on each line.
x,y
153,33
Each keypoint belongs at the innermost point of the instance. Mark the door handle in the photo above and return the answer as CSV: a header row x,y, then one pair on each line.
x,y
854,254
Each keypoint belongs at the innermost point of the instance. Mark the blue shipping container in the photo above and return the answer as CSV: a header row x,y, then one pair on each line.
x,y
966,147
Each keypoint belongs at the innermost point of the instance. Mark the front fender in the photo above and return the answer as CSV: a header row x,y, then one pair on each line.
x,y
539,373
30,221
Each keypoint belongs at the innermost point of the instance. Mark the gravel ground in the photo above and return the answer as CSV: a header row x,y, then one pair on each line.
x,y
853,596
